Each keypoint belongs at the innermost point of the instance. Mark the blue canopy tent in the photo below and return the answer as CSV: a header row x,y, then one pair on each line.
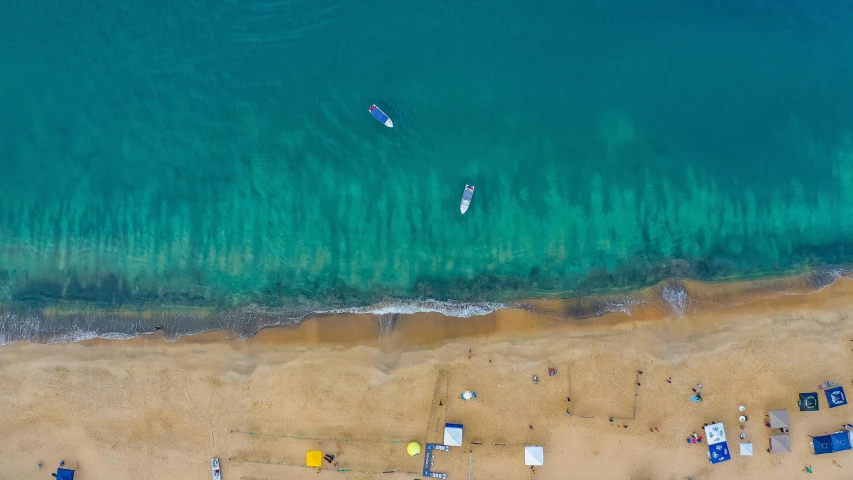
x,y
835,397
833,442
64,474
808,402
719,452
840,441
822,444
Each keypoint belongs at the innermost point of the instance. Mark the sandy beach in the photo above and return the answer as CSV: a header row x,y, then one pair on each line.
x,y
349,386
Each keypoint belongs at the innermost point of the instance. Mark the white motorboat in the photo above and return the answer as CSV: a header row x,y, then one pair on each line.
x,y
466,198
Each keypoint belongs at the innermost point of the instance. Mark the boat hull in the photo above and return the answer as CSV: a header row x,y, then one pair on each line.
x,y
467,195
380,116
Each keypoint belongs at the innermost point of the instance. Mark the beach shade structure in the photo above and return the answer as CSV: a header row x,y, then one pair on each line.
x,y
822,444
533,455
833,442
779,419
746,449
413,449
314,458
840,441
808,402
780,443
715,433
453,434
64,474
835,397
719,452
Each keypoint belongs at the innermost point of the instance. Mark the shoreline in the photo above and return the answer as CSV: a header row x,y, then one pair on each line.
x,y
537,317
431,330
72,322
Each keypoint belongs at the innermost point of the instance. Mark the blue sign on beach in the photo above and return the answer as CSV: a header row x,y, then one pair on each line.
x,y
430,447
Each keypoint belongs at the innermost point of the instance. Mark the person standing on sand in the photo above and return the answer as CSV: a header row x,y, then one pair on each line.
x,y
531,427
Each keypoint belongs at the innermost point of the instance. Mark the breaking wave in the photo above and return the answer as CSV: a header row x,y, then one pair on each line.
x,y
409,307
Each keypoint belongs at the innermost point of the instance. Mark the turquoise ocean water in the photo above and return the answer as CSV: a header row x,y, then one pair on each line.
x,y
161,155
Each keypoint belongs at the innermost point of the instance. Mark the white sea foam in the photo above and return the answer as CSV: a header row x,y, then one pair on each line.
x,y
408,307
833,275
73,336
676,298
624,304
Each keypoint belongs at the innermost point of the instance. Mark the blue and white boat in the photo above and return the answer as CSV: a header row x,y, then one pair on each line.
x,y
380,116
467,194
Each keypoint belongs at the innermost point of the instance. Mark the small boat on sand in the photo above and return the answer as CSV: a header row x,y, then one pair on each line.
x,y
466,198
214,467
380,116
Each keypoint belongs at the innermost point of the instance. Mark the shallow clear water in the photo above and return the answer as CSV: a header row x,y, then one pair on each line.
x,y
221,154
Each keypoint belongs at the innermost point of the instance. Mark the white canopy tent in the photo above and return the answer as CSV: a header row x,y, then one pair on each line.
x,y
533,455
453,434
715,434
746,449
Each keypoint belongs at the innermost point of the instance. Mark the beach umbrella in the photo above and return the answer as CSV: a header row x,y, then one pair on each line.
x,y
314,458
414,449
746,449
533,455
